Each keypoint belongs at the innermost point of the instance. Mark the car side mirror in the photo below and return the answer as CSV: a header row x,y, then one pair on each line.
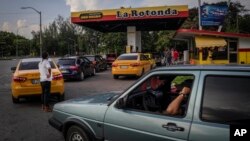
x,y
120,104
13,69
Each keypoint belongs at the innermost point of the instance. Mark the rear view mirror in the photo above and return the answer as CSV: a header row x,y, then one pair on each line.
x,y
120,104
13,69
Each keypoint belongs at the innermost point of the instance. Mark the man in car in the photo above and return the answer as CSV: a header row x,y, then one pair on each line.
x,y
174,108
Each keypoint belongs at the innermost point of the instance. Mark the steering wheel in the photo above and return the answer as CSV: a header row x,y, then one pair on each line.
x,y
149,100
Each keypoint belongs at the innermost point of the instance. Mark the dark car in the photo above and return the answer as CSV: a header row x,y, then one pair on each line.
x,y
99,62
111,58
76,67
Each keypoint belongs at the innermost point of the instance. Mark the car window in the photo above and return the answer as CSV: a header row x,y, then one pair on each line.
x,y
226,96
79,61
66,62
91,58
128,57
98,58
32,65
157,92
85,59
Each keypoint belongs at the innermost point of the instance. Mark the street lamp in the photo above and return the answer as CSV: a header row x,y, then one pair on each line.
x,y
40,14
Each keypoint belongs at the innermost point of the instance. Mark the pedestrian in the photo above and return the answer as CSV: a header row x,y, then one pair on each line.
x,y
45,80
168,57
175,56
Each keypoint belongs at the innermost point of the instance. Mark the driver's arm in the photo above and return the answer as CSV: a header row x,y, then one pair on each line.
x,y
174,107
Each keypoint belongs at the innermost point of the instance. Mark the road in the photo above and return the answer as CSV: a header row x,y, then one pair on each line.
x,y
27,122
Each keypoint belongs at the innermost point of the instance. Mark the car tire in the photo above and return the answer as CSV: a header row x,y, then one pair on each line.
x,y
76,133
97,69
15,100
81,76
115,76
142,72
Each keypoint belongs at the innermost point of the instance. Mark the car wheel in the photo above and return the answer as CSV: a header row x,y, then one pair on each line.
x,y
81,76
142,72
115,76
76,133
97,69
15,100
93,73
60,97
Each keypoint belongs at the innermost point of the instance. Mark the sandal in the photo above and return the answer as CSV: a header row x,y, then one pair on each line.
x,y
47,109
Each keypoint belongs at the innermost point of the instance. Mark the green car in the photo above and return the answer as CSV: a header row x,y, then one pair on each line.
x,y
211,99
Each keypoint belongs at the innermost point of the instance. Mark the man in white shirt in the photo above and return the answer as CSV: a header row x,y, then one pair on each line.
x,y
45,80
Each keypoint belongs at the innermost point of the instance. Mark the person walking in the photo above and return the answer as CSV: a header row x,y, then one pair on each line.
x,y
169,57
45,80
175,56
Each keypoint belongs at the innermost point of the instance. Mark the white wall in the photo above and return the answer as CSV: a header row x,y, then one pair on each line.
x,y
244,43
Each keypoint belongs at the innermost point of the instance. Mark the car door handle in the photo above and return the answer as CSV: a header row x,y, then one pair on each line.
x,y
172,127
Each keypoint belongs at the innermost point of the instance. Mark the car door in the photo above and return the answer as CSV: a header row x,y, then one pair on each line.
x,y
145,62
221,101
87,65
138,125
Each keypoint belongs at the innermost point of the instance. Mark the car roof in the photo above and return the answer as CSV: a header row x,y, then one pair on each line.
x,y
131,54
70,57
90,55
33,59
236,67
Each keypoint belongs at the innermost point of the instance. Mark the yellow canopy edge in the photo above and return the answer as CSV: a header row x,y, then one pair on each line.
x,y
207,41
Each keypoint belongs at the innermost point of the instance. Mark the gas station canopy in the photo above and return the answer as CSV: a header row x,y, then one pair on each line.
x,y
144,19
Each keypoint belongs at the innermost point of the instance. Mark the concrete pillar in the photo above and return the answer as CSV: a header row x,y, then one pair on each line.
x,y
134,39
138,41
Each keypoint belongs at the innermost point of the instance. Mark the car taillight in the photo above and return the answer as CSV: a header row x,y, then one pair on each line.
x,y
135,64
19,79
57,77
114,65
74,68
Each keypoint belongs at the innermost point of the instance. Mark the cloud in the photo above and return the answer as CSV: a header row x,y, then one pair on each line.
x,y
21,23
82,5
77,5
6,27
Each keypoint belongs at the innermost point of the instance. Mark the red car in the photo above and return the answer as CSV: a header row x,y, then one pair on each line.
x,y
110,58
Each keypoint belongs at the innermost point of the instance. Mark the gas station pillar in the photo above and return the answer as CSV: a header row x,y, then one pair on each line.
x,y
134,39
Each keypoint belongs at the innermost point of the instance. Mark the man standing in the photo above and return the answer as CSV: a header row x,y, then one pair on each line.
x,y
45,80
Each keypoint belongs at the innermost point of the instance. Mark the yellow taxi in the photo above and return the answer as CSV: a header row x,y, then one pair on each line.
x,y
151,59
135,64
26,76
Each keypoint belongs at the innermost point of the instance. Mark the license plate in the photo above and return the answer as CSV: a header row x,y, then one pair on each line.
x,y
64,71
35,81
124,67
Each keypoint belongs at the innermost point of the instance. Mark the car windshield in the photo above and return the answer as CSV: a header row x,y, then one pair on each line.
x,y
91,58
127,57
32,65
66,61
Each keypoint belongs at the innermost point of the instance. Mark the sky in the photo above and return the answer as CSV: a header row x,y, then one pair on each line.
x,y
23,21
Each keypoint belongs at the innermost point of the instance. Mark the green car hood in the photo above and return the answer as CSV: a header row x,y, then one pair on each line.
x,y
88,107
